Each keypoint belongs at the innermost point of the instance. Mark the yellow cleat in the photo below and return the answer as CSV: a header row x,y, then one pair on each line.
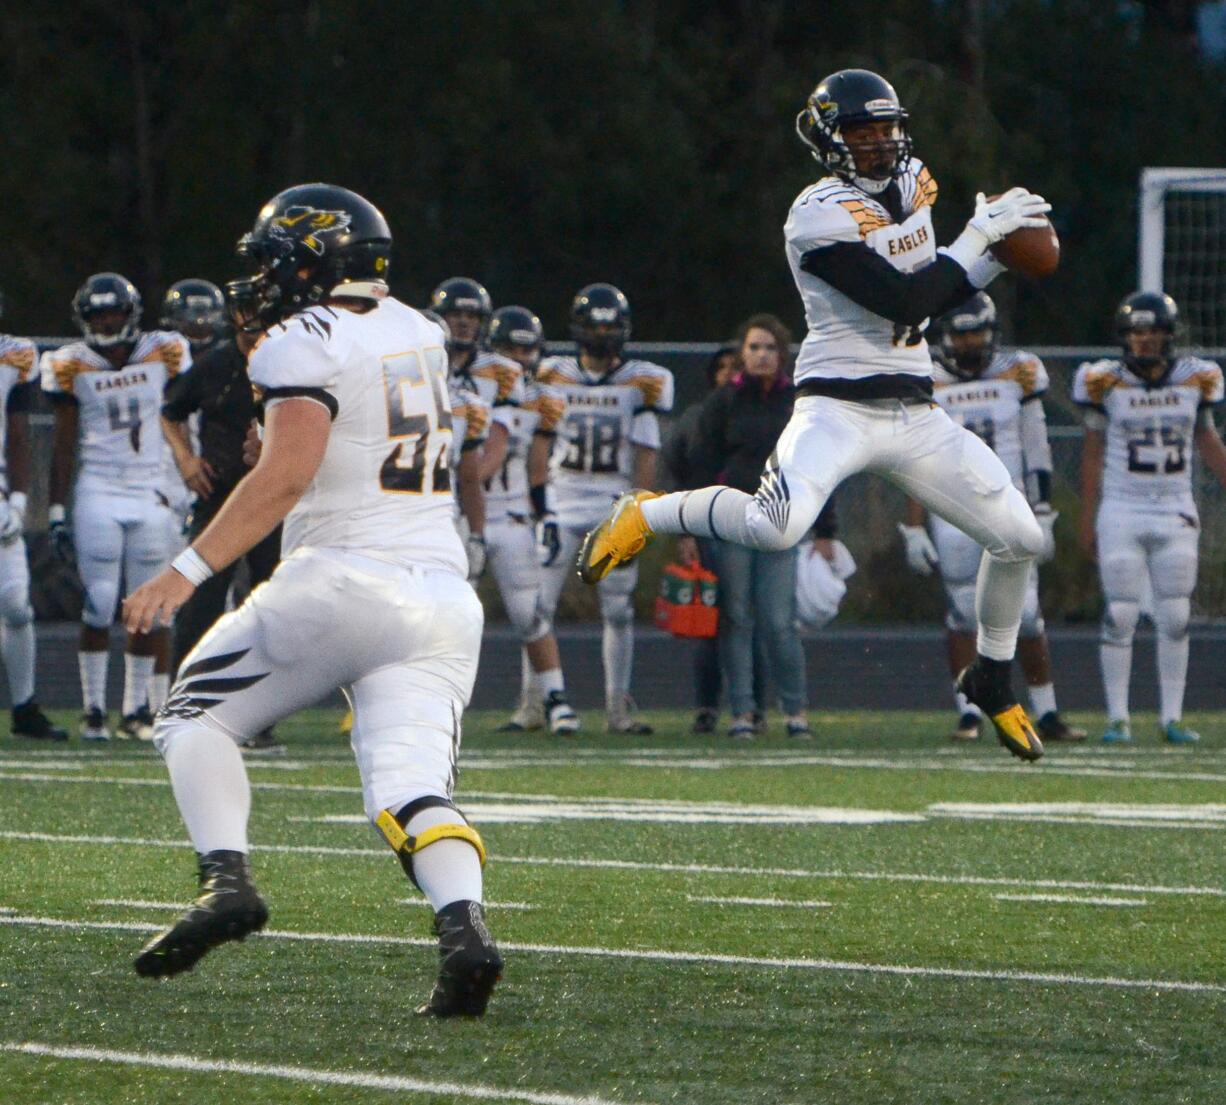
x,y
346,725
617,540
1014,731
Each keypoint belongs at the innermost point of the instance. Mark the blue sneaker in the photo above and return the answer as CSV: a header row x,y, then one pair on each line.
x,y
1117,732
1175,732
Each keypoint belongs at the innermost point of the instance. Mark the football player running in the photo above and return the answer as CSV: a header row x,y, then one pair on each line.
x,y
371,594
997,395
608,441
1146,413
516,498
17,646
863,253
107,394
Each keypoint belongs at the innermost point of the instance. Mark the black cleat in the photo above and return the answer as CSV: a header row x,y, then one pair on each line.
x,y
704,721
988,685
469,963
227,907
30,722
1052,728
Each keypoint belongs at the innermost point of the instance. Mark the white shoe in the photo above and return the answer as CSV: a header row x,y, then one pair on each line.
x,y
619,718
563,721
527,719
94,727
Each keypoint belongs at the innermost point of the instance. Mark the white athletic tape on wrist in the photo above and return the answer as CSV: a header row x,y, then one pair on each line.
x,y
192,567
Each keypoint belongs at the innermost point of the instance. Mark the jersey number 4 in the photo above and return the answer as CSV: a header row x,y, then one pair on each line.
x,y
419,419
130,422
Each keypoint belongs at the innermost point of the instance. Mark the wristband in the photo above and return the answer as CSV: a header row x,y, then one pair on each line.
x,y
191,566
55,514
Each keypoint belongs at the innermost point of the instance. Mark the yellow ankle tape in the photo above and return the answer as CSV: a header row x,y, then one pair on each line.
x,y
407,845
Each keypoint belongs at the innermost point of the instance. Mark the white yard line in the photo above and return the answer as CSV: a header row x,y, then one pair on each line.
x,y
314,1076
834,874
141,903
678,956
1093,822
781,902
1069,899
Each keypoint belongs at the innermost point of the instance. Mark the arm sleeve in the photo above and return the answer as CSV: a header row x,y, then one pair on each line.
x,y
870,280
645,430
21,399
1036,452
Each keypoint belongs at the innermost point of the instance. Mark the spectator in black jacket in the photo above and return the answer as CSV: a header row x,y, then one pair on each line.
x,y
708,680
737,430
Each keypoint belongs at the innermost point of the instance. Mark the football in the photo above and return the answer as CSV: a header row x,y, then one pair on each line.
x,y
1032,251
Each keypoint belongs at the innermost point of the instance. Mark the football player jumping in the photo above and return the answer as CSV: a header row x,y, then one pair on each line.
x,y
371,594
864,256
1146,414
516,497
17,646
107,394
607,443
997,395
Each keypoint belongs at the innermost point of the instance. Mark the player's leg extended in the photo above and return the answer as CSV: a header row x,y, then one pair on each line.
x,y
1172,568
825,442
955,475
958,558
99,546
256,666
616,594
1122,568
406,737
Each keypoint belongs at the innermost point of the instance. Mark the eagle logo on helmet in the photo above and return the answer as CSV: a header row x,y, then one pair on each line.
x,y
306,224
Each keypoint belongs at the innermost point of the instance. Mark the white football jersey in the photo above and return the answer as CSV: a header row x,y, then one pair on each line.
x,y
17,357
845,340
605,418
1149,427
497,379
120,432
991,405
541,409
383,488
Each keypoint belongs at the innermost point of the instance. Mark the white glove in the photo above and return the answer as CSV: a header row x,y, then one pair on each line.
x,y
1046,518
474,546
15,522
1016,209
921,552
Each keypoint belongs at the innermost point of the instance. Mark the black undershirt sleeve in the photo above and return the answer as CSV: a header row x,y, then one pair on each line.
x,y
871,281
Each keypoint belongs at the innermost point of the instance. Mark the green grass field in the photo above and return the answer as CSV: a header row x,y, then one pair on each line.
x,y
875,917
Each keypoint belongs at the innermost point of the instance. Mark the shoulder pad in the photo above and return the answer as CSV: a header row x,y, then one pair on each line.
x,y
20,354
917,186
1025,370
559,370
831,211
1094,380
653,381
295,353
506,373
167,346
468,405
548,403
59,367
1205,376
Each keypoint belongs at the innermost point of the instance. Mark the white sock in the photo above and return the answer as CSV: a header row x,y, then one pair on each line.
x,y
1172,675
17,647
1042,699
1000,594
617,652
719,512
447,870
137,671
93,679
550,681
210,784
964,704
159,688
1117,670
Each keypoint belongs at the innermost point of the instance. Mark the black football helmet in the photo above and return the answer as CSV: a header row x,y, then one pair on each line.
x,y
197,310
853,96
976,316
517,326
308,243
462,293
600,320
1148,311
107,293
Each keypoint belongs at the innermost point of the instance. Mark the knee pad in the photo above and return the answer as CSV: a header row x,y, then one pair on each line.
x,y
526,616
1174,574
1120,622
960,617
1023,540
15,609
168,727
101,597
392,826
1171,617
